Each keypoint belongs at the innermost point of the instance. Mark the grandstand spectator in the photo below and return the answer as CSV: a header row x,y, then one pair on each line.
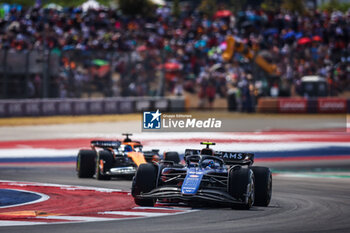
x,y
313,43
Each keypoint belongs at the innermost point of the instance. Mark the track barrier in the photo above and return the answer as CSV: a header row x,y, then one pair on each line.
x,y
117,105
303,105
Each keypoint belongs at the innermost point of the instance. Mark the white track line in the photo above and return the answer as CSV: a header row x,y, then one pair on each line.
x,y
138,214
62,186
179,147
77,218
19,223
162,208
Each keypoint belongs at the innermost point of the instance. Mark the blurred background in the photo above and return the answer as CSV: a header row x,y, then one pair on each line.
x,y
241,55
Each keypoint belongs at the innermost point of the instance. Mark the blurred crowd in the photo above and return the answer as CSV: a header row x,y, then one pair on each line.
x,y
187,48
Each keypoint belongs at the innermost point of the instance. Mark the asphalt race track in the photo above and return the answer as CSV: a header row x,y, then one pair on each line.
x,y
298,205
308,196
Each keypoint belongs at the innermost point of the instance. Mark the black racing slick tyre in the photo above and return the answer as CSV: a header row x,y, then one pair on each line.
x,y
86,163
263,185
104,162
144,181
241,186
172,156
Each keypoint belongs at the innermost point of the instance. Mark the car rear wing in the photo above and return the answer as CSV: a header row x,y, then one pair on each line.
x,y
230,158
233,158
105,144
192,152
151,153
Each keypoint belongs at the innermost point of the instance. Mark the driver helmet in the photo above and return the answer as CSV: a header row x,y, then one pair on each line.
x,y
211,164
128,148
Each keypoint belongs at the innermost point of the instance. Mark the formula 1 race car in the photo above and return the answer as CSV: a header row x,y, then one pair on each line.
x,y
217,177
113,158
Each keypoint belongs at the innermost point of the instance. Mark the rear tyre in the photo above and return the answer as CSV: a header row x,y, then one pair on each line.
x,y
172,156
86,163
143,182
241,186
104,162
263,185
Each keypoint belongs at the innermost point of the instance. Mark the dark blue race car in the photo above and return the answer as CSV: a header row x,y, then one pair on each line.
x,y
208,176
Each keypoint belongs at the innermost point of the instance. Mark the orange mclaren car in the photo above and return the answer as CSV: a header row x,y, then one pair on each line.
x,y
113,158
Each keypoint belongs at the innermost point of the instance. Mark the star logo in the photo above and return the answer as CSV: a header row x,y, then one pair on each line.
x,y
152,120
156,115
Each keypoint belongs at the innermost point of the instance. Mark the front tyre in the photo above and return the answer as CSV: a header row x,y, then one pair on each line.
x,y
85,166
104,162
143,182
263,185
241,186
